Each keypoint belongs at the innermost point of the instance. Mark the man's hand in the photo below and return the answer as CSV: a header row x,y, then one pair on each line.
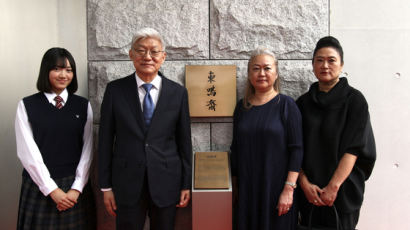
x,y
109,203
184,199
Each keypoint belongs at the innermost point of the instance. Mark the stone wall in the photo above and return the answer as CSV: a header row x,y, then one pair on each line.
x,y
199,32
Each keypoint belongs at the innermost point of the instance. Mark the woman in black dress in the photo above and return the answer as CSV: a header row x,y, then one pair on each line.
x,y
266,151
338,142
54,144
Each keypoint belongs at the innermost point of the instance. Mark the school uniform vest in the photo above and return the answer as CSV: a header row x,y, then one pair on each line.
x,y
58,133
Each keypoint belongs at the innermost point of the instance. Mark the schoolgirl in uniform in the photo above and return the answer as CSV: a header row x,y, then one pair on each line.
x,y
54,144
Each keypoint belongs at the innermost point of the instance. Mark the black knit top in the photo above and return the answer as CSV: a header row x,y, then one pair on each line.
x,y
335,123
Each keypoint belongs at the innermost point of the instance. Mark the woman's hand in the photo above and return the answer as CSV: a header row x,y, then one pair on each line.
x,y
312,192
329,194
61,199
73,195
343,170
285,200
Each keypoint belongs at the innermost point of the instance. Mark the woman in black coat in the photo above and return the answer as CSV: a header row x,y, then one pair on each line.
x,y
339,148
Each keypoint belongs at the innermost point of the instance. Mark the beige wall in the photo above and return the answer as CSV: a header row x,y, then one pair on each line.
x,y
376,39
28,29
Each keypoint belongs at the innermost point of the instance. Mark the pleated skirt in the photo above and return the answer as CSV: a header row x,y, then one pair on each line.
x,y
37,211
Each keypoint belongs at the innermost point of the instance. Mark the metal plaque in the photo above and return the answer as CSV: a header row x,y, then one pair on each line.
x,y
211,170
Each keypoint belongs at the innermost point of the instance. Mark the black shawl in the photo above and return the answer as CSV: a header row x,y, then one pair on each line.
x,y
335,123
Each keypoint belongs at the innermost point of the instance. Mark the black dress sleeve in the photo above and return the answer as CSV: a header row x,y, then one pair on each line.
x,y
294,135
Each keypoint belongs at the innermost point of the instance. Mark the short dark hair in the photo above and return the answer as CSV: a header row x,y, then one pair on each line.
x,y
329,41
55,57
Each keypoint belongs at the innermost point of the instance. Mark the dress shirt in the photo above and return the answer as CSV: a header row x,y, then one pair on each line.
x,y
52,95
31,158
154,92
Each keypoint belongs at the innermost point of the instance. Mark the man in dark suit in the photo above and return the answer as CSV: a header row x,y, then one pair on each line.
x,y
145,141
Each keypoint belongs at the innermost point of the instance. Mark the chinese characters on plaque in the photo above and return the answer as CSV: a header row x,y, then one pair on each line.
x,y
211,90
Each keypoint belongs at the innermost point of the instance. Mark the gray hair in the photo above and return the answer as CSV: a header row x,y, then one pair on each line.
x,y
147,33
249,89
262,51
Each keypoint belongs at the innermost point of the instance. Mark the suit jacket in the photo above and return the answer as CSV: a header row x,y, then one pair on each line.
x,y
128,153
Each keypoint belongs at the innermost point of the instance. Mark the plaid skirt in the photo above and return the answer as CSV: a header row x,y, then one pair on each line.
x,y
37,211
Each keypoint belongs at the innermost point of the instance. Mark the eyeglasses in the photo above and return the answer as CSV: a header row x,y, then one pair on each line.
x,y
152,53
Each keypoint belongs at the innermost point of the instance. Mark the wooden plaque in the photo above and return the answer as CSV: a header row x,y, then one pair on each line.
x,y
211,90
211,170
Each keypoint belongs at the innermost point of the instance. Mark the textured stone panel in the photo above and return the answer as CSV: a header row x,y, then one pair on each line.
x,y
176,69
221,136
290,28
211,119
100,73
295,77
183,24
200,133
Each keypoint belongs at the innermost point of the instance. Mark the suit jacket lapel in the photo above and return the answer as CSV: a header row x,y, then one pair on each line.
x,y
131,96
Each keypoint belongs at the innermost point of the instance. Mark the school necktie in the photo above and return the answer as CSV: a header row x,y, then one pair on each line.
x,y
148,105
59,102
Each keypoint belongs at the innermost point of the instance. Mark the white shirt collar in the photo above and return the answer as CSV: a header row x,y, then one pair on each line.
x,y
156,82
52,95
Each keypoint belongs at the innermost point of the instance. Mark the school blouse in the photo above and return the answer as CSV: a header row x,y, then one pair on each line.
x,y
31,158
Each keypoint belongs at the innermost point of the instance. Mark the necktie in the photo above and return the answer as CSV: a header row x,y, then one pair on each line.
x,y
148,105
59,101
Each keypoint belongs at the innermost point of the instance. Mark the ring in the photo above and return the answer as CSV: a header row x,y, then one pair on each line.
x,y
288,209
315,201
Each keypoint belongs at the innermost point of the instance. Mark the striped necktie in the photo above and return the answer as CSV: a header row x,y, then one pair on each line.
x,y
59,102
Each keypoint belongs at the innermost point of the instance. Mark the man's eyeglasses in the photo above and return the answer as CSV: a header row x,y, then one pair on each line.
x,y
152,53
